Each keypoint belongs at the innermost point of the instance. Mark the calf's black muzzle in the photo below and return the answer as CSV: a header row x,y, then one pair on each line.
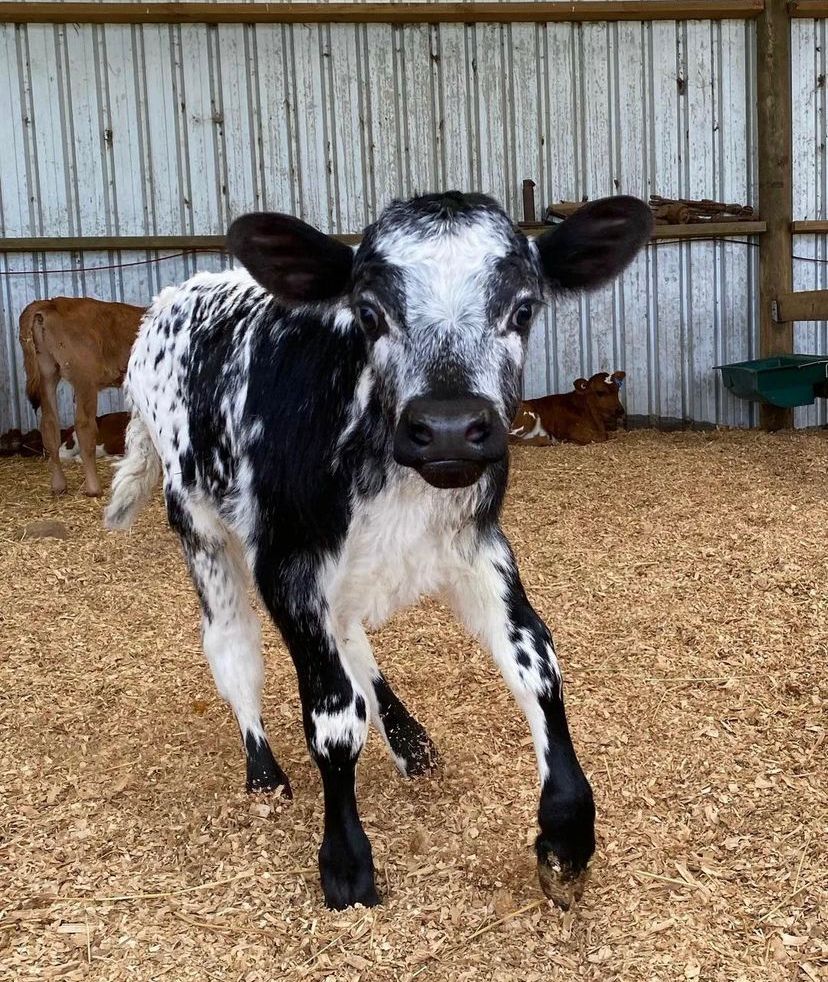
x,y
450,442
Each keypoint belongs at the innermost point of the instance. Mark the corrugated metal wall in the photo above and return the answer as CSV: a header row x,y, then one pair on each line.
x,y
808,55
177,129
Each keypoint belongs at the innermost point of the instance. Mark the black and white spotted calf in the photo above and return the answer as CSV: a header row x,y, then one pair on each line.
x,y
335,421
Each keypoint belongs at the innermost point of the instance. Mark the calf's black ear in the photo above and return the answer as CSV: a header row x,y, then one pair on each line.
x,y
294,261
595,244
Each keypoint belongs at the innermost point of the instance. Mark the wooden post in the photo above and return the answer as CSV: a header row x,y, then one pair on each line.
x,y
775,188
529,201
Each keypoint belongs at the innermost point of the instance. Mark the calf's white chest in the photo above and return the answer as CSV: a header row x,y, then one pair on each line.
x,y
401,545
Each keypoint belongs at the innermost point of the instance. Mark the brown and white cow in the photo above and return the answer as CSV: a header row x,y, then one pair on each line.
x,y
87,342
582,416
110,440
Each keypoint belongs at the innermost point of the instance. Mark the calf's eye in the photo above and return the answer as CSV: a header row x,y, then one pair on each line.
x,y
370,320
521,317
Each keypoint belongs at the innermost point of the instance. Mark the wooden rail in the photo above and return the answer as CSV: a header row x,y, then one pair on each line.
x,y
542,11
811,227
806,305
808,8
205,243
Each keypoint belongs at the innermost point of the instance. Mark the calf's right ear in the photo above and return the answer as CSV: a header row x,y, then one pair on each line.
x,y
292,260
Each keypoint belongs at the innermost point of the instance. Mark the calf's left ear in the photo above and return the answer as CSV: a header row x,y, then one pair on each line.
x,y
294,261
595,244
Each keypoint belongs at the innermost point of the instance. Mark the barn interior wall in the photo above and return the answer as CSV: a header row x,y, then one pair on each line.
x,y
810,186
176,129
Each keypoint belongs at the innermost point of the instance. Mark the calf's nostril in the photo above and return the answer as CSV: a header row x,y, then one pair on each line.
x,y
420,434
478,431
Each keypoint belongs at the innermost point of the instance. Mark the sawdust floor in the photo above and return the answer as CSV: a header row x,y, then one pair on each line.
x,y
686,580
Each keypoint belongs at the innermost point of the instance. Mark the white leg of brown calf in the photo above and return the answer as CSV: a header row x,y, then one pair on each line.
x,y
86,433
50,424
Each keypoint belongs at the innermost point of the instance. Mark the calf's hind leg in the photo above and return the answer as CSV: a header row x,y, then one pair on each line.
x,y
86,433
407,741
231,633
49,422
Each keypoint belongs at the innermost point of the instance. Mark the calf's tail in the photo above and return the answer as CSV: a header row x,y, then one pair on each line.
x,y
30,362
136,477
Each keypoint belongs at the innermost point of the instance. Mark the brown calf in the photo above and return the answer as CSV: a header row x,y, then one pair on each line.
x,y
582,416
87,342
111,439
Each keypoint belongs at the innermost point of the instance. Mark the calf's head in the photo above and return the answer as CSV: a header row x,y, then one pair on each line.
x,y
445,290
603,389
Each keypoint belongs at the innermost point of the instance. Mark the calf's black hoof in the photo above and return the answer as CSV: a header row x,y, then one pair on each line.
x,y
263,772
421,756
347,873
565,845
562,884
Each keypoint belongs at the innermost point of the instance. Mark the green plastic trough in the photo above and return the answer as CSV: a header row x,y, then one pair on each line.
x,y
786,381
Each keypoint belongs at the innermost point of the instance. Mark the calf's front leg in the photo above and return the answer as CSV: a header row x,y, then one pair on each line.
x,y
491,601
335,714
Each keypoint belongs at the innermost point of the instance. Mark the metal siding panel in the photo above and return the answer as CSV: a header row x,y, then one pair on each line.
x,y
418,109
237,88
331,121
597,172
456,109
811,337
524,159
277,141
491,116
700,260
737,303
200,131
15,215
312,148
161,89
382,79
810,188
128,158
633,125
558,181
808,119
85,154
667,288
50,145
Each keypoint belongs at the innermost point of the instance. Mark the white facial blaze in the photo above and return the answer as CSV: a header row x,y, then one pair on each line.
x,y
448,334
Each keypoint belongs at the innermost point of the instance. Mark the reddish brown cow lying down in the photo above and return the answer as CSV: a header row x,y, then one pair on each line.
x,y
582,416
87,342
110,440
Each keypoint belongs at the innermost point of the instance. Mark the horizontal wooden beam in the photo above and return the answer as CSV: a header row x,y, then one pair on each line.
x,y
709,230
810,227
128,243
695,230
107,243
206,243
808,8
806,305
542,11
